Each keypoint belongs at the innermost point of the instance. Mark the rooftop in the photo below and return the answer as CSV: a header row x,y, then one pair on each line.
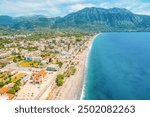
x,y
4,89
10,96
40,73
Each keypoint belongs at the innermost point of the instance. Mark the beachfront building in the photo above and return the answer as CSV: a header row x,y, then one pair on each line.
x,y
39,76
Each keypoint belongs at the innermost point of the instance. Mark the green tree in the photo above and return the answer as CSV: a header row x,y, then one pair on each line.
x,y
50,60
60,80
1,84
60,64
11,91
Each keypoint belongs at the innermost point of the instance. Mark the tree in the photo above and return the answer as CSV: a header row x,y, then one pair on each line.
x,y
50,60
60,64
14,60
11,91
1,84
60,80
73,71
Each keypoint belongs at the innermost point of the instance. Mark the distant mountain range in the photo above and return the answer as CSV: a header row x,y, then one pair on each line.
x,y
86,20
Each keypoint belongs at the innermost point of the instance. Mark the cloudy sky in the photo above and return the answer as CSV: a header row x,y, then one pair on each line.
x,y
53,8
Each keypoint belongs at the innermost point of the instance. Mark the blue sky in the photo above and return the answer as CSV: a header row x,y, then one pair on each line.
x,y
53,8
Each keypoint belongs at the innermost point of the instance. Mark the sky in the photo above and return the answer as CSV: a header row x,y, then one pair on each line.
x,y
54,8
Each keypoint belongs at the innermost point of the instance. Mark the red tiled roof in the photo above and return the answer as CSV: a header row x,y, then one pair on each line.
x,y
4,89
40,73
10,96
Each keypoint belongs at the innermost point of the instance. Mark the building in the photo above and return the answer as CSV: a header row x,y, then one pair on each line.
x,y
33,59
52,67
23,52
36,59
28,58
4,54
10,96
4,89
46,61
39,76
12,71
7,97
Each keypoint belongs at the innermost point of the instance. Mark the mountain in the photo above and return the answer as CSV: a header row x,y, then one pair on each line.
x,y
99,19
30,23
86,20
5,20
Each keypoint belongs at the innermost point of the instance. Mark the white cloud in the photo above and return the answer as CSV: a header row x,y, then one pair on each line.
x,y
135,6
20,8
50,8
53,8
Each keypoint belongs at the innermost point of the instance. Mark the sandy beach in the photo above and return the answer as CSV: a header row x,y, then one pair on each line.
x,y
73,87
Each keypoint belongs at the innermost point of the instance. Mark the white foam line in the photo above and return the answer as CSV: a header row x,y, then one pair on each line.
x,y
86,67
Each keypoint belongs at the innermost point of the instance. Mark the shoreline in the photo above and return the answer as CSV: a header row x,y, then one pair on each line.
x,y
86,67
73,88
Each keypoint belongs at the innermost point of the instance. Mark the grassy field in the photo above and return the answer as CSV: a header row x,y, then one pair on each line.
x,y
29,64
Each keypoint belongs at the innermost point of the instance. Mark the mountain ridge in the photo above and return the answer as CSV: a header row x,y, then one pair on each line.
x,y
86,20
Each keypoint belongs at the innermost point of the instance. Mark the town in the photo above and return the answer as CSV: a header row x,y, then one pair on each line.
x,y
31,65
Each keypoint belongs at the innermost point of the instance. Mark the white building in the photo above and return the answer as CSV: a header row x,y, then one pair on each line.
x,y
4,54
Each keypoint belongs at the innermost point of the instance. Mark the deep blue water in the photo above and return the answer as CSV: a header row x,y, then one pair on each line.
x,y
119,67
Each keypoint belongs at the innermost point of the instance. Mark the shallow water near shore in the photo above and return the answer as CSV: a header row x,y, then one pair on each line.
x,y
119,67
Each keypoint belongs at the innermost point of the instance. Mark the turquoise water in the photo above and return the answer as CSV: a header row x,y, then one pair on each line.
x,y
119,67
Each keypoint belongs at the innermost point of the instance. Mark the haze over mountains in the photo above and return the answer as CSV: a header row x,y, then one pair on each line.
x,y
86,20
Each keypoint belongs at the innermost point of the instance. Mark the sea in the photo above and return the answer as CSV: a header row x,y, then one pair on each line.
x,y
118,67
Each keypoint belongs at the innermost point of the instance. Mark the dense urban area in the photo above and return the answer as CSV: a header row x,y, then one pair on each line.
x,y
33,66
